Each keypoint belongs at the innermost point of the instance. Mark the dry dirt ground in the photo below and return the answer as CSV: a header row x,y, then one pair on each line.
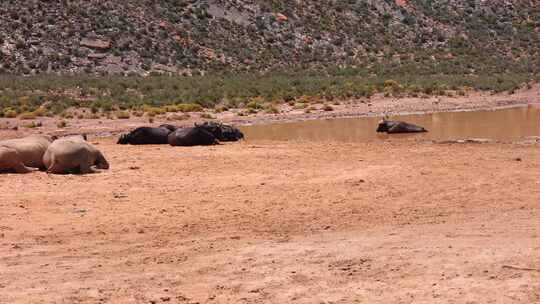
x,y
397,221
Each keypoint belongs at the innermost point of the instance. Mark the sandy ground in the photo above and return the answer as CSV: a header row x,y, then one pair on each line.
x,y
397,221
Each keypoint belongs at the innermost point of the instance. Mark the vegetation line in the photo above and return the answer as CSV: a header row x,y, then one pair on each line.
x,y
47,95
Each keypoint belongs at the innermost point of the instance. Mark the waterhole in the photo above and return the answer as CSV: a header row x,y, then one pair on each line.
x,y
503,124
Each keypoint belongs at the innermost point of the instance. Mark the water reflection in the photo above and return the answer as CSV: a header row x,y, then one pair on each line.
x,y
499,124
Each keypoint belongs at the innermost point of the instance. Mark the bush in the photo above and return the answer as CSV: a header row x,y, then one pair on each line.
x,y
27,116
41,111
66,115
272,110
189,107
256,103
51,94
172,108
221,109
91,116
123,115
153,111
207,116
390,83
10,113
300,105
179,117
33,124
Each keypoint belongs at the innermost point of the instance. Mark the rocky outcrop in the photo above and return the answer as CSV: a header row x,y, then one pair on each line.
x,y
402,36
96,44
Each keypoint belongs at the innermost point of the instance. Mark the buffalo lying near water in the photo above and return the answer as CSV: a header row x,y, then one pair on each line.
x,y
168,127
221,131
160,135
147,136
192,136
393,127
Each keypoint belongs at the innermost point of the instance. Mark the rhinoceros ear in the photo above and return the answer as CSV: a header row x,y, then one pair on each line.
x,y
122,139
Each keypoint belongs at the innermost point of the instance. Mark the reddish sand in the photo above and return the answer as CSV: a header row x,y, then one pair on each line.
x,y
274,222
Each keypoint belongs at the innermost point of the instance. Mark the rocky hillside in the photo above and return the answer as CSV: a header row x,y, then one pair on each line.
x,y
193,37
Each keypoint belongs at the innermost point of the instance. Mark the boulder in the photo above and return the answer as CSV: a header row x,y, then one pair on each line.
x,y
96,44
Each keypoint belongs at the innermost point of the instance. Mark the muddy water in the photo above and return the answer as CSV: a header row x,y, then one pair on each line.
x,y
505,124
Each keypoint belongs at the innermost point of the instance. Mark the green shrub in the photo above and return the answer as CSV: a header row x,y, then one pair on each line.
x,y
154,94
183,116
92,116
300,105
272,110
189,107
10,113
123,115
66,115
33,125
27,116
172,108
41,112
153,111
207,116
255,103
220,109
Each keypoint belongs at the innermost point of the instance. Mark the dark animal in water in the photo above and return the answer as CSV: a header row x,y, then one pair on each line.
x,y
393,127
146,136
221,131
192,136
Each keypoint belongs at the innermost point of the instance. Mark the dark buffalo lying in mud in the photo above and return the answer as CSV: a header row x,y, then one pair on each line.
x,y
147,136
394,127
221,131
168,127
192,136
160,135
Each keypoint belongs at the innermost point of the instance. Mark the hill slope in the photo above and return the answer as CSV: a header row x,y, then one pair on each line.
x,y
184,37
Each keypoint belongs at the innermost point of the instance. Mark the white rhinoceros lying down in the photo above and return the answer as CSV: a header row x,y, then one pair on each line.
x,y
73,154
24,155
